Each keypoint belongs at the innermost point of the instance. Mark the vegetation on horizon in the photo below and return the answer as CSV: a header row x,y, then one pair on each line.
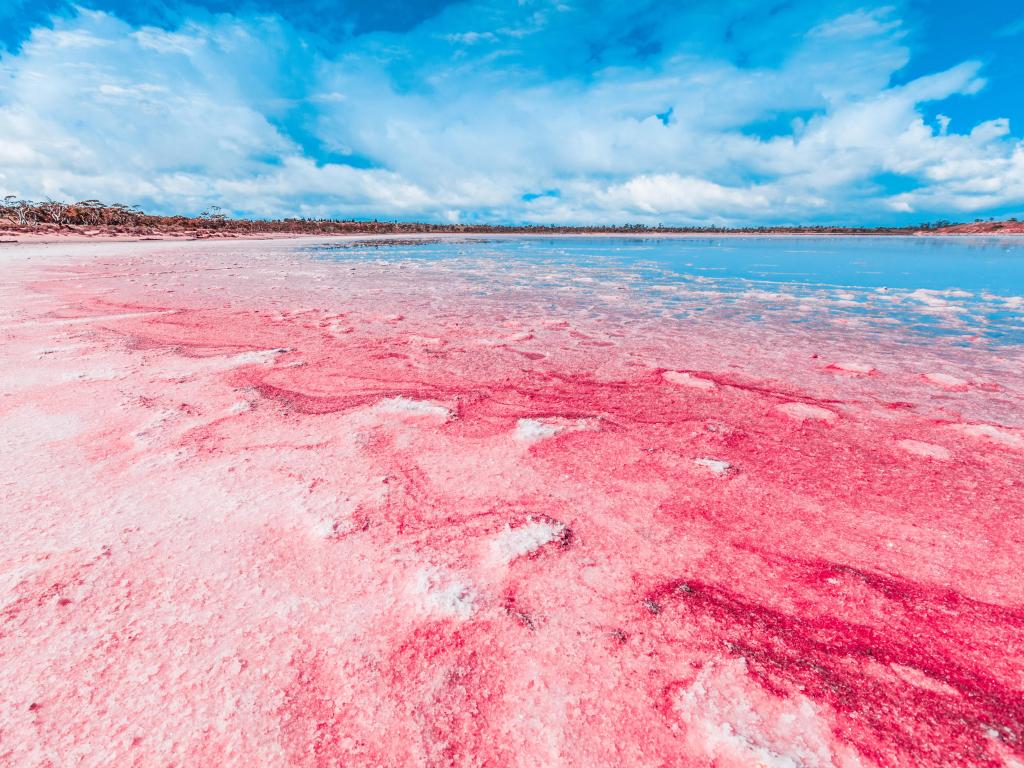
x,y
27,215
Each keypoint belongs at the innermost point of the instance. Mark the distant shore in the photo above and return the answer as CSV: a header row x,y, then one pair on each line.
x,y
27,221
43,236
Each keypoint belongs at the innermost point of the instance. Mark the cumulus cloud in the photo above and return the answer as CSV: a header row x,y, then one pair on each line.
x,y
510,111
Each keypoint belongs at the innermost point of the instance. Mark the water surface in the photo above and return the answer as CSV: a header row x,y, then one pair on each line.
x,y
935,286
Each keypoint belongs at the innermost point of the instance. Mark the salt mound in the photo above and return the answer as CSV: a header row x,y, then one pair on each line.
x,y
257,357
439,594
333,528
863,369
684,379
404,405
946,381
531,430
221,363
806,412
732,722
927,450
716,466
996,434
512,543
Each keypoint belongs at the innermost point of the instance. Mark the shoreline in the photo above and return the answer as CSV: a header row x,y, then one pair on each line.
x,y
57,238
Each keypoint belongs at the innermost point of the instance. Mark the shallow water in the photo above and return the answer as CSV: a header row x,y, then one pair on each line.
x,y
983,264
956,287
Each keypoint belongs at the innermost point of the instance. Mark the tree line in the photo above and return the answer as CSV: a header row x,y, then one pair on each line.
x,y
118,217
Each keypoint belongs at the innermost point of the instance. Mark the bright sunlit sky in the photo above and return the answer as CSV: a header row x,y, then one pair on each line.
x,y
531,111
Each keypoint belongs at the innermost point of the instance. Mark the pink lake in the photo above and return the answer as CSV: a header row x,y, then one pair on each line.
x,y
508,503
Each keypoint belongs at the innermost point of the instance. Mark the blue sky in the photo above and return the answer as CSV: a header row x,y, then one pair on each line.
x,y
520,110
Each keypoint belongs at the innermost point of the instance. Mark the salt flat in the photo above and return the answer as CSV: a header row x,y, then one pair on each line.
x,y
288,503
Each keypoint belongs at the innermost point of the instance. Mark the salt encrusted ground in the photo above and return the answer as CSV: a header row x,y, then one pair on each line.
x,y
259,509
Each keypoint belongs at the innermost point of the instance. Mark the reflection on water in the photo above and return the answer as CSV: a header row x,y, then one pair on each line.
x,y
956,287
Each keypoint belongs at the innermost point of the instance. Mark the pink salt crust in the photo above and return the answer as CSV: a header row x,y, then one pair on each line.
x,y
262,510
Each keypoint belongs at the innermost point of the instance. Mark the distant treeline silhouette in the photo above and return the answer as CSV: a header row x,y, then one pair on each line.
x,y
27,215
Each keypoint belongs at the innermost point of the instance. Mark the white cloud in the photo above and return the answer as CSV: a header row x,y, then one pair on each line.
x,y
1012,29
136,121
170,42
858,25
671,193
242,113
